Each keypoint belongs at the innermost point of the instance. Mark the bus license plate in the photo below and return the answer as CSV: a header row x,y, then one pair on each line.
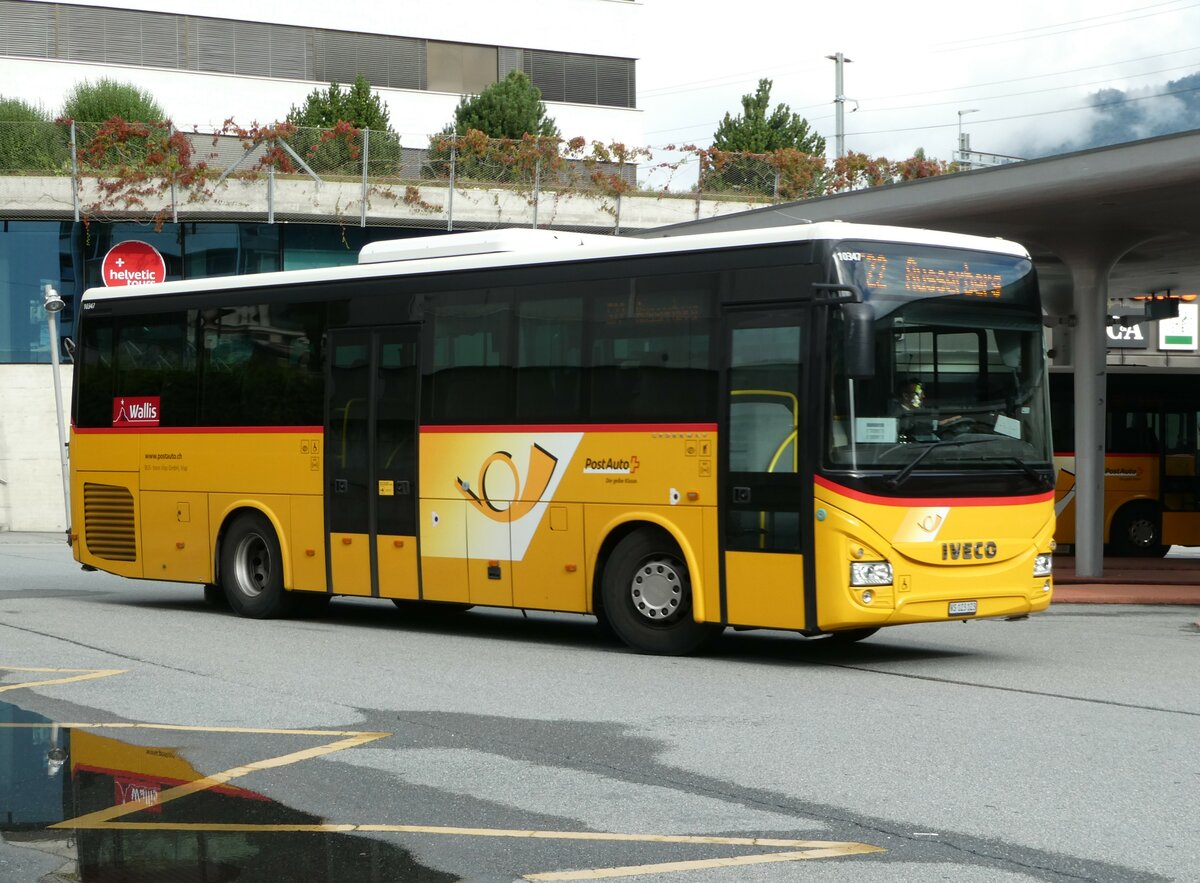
x,y
963,608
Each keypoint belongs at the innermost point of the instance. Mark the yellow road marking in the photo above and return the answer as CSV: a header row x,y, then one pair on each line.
x,y
814,849
842,847
77,674
595,835
91,820
187,728
834,850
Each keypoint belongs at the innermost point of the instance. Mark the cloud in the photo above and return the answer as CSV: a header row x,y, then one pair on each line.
x,y
1118,116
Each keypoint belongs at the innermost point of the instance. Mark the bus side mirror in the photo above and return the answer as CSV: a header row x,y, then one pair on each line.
x,y
858,340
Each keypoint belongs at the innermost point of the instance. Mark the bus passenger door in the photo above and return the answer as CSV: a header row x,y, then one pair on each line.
x,y
370,462
766,480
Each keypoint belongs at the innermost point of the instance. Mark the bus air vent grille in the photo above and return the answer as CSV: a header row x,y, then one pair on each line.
x,y
108,524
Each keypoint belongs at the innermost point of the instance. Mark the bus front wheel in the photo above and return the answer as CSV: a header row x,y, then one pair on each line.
x,y
1137,531
252,568
647,596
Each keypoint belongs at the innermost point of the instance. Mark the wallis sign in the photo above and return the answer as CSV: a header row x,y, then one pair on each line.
x,y
133,263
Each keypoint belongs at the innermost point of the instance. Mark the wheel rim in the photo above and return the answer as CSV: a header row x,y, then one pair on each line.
x,y
252,565
656,589
1143,533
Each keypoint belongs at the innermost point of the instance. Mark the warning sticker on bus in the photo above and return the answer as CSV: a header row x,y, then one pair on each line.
x,y
136,411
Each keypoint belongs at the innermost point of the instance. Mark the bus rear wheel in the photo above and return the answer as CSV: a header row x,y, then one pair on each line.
x,y
1137,531
252,568
647,596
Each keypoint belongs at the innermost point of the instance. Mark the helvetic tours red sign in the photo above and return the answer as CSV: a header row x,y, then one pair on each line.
x,y
133,263
136,411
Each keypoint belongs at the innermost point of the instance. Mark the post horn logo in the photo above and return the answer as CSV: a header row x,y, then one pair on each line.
x,y
930,523
541,469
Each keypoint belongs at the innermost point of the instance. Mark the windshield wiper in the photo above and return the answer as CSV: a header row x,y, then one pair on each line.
x,y
902,476
1041,478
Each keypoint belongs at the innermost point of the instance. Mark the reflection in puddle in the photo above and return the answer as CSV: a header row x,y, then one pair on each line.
x,y
49,774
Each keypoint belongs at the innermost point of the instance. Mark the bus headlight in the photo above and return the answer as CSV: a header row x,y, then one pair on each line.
x,y
1043,565
870,573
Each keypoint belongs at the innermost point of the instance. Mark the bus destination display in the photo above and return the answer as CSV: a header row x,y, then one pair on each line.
x,y
927,272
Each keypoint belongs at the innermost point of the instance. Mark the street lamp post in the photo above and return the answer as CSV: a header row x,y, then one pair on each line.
x,y
54,304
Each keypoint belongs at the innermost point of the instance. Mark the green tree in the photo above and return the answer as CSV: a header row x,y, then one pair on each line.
x,y
29,140
330,123
755,131
358,106
104,99
123,115
511,108
498,135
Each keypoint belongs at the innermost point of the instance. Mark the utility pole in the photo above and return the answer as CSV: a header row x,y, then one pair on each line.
x,y
840,100
964,142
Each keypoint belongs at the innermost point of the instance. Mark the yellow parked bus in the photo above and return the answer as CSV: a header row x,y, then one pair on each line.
x,y
1151,454
674,435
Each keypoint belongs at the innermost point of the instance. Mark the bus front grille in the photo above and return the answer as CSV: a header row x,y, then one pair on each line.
x,y
108,524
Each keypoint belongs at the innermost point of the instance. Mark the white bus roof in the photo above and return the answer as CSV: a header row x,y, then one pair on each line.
x,y
449,252
483,242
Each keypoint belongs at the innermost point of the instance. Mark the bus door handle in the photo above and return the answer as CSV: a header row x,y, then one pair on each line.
x,y
341,485
403,488
741,495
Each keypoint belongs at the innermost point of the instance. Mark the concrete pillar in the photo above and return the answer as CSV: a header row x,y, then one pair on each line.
x,y
1090,277
1090,261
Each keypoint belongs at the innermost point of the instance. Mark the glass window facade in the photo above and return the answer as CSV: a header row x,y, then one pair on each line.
x,y
69,256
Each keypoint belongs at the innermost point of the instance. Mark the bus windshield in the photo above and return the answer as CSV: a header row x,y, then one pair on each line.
x,y
960,380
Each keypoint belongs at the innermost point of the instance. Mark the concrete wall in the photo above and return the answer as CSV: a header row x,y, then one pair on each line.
x,y
301,199
31,495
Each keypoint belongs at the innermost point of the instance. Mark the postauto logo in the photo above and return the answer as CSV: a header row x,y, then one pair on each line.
x,y
541,469
610,466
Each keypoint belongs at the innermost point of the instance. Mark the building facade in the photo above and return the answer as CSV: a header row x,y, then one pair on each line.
x,y
252,65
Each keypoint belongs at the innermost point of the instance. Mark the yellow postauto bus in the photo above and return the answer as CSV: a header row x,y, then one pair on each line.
x,y
673,435
1151,459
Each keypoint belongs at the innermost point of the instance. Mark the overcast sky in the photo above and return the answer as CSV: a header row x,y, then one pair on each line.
x,y
1031,71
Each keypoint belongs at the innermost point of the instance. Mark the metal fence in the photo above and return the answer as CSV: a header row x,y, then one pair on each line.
x,y
364,177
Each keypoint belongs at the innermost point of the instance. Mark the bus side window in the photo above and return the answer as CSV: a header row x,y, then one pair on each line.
x,y
156,356
94,403
471,380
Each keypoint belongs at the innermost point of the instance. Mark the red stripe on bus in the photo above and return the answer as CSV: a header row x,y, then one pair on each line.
x,y
931,501
578,427
178,430
532,427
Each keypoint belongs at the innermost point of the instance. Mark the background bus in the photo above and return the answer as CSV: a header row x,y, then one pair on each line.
x,y
675,435
1151,443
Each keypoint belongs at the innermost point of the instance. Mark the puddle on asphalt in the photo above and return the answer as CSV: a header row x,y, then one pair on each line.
x,y
49,774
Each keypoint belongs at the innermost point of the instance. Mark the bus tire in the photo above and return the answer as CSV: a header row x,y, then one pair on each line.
x,y
647,596
252,568
1136,531
214,596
